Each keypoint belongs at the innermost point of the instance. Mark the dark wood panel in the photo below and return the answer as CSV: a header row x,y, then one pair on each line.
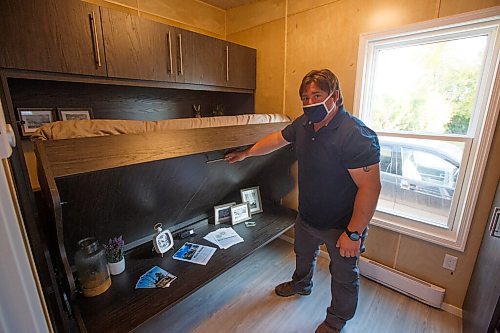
x,y
137,48
241,66
126,102
51,35
74,156
122,308
184,50
210,67
481,310
64,77
131,200
203,58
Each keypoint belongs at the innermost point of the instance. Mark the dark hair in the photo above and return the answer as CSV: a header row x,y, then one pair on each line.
x,y
326,81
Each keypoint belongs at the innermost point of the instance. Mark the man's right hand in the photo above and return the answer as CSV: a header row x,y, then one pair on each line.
x,y
236,156
264,146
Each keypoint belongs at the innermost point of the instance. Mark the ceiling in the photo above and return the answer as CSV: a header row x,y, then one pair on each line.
x,y
228,4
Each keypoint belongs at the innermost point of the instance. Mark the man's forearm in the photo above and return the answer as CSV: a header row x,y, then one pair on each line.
x,y
364,208
267,145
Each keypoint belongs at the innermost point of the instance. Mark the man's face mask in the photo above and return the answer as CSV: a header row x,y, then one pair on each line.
x,y
318,111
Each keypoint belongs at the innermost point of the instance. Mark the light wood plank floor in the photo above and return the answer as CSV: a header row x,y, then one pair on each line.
x,y
243,300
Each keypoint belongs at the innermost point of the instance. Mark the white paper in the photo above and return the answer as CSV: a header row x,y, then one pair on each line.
x,y
224,238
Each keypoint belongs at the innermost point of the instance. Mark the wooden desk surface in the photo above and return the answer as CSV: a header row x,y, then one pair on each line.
x,y
123,308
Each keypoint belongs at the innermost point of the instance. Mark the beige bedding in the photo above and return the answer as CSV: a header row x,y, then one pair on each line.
x,y
87,128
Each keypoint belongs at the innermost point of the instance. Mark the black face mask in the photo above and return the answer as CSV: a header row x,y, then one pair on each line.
x,y
318,111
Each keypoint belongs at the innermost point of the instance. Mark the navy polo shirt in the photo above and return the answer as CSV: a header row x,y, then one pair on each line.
x,y
326,189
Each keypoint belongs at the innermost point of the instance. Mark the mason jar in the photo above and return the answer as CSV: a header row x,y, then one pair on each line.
x,y
90,261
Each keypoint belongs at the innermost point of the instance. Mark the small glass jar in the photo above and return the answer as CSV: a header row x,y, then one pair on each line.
x,y
90,261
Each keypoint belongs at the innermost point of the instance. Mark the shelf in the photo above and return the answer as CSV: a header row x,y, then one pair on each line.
x,y
123,308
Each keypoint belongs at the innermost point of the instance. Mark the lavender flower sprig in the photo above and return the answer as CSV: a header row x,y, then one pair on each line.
x,y
114,249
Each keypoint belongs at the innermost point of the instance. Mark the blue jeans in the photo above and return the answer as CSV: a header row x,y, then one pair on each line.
x,y
344,271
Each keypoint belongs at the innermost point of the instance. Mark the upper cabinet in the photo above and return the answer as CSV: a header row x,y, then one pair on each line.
x,y
240,68
75,37
52,35
200,59
137,48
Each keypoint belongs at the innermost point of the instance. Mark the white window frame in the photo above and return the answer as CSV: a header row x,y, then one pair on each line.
x,y
481,128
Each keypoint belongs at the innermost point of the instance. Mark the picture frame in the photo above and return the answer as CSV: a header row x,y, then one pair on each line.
x,y
494,223
75,113
240,213
252,196
33,118
222,213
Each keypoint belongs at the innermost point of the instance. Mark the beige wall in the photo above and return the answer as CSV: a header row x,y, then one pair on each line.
x,y
262,26
187,14
322,33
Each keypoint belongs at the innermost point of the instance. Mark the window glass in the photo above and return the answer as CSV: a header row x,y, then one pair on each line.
x,y
425,187
429,87
385,159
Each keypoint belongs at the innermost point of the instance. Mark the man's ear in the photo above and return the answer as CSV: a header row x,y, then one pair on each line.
x,y
336,96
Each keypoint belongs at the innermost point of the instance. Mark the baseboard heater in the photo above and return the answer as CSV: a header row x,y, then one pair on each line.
x,y
418,289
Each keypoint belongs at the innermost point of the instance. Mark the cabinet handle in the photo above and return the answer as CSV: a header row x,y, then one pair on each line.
x,y
169,37
181,68
227,62
97,55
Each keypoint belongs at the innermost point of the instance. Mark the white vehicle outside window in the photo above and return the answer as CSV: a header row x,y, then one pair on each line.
x,y
428,91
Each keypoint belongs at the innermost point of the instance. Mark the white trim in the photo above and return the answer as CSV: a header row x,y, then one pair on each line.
x,y
481,129
21,309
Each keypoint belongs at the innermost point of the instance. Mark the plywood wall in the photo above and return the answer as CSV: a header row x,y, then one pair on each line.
x,y
316,34
187,14
262,26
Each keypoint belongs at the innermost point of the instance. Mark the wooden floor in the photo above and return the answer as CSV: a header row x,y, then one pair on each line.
x,y
243,300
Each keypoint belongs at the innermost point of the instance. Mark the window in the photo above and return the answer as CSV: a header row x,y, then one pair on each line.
x,y
427,90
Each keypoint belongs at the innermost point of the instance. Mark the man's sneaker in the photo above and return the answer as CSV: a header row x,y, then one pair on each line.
x,y
325,328
290,288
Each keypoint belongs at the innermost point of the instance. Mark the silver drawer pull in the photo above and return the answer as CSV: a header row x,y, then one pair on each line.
x,y
97,55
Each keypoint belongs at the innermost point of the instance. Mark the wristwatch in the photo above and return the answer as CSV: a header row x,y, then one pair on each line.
x,y
353,235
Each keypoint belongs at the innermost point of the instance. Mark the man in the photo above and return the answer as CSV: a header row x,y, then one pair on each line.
x,y
339,185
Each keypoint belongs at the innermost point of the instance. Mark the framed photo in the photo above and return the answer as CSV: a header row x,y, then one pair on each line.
x,y
494,224
240,213
74,113
33,118
222,213
252,196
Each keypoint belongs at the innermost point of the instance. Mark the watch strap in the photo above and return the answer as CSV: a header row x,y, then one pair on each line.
x,y
353,235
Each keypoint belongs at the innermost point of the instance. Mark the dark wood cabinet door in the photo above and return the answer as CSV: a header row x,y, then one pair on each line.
x,y
185,55
211,65
137,48
51,35
200,59
240,68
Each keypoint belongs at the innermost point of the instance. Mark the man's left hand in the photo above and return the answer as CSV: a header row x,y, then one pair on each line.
x,y
347,247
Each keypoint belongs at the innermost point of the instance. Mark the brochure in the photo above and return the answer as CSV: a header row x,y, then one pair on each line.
x,y
224,237
195,253
156,277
